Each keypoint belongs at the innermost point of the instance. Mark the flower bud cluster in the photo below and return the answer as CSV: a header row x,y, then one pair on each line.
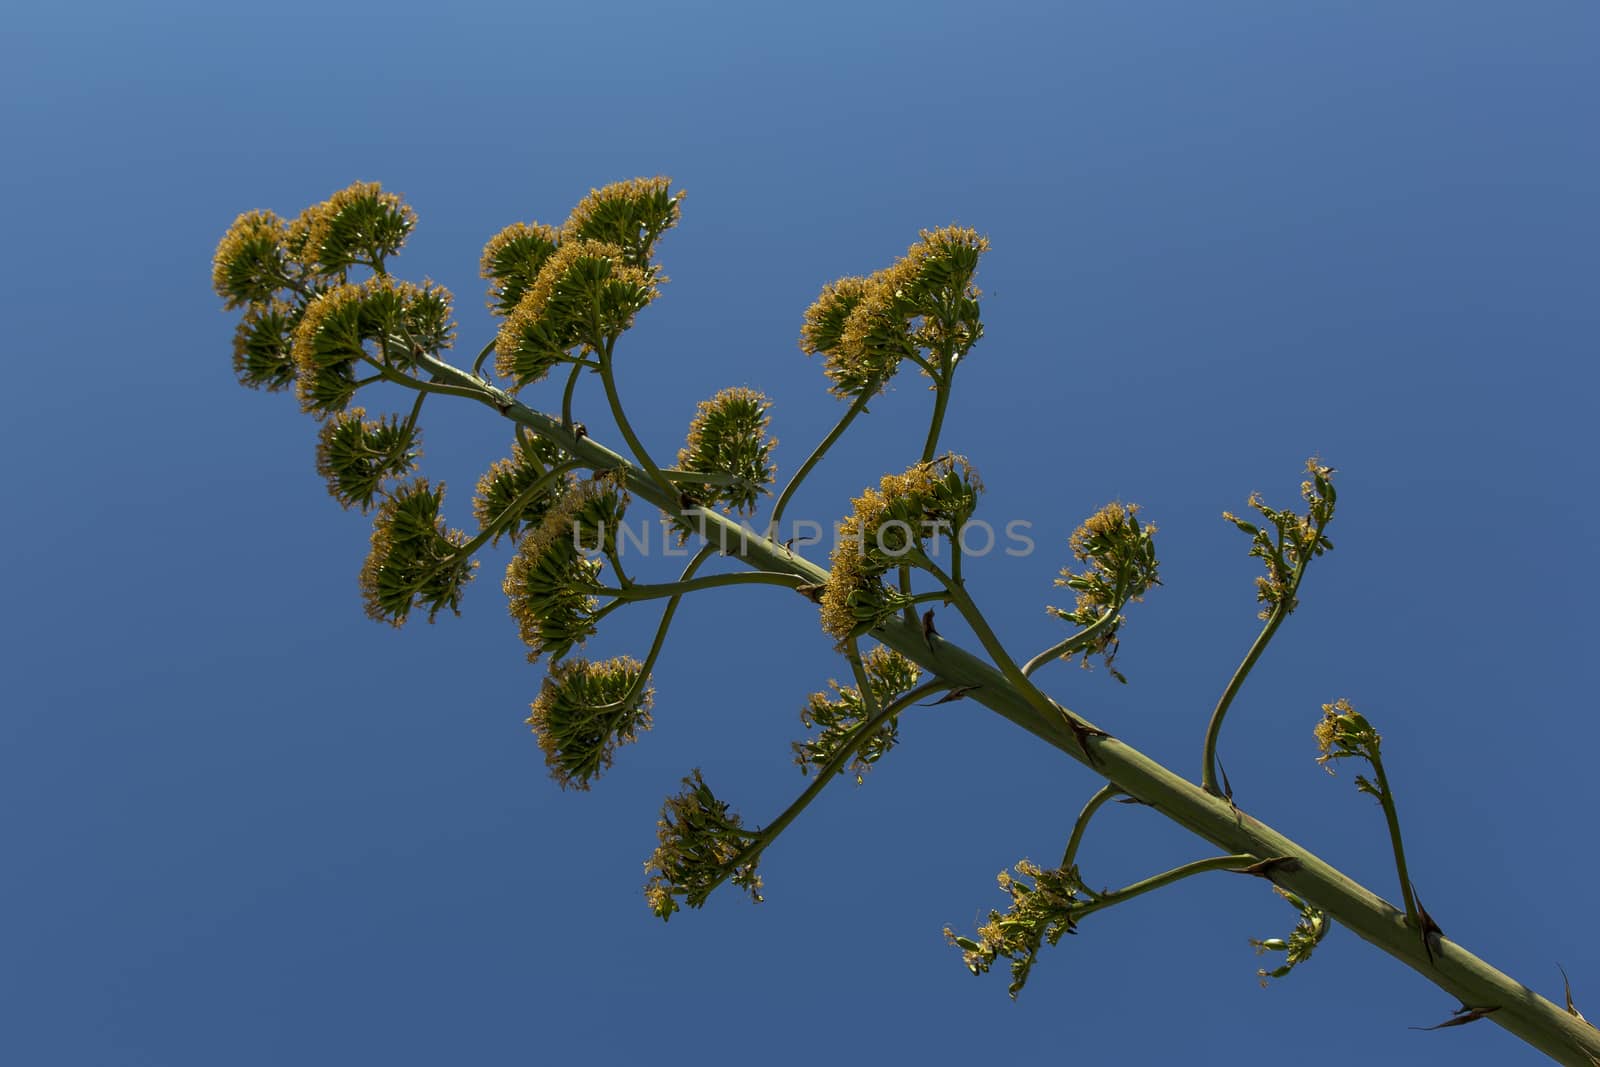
x,y
842,717
503,499
414,561
1312,926
1120,554
585,712
550,583
568,291
1039,912
1299,538
1345,733
699,842
397,320
891,526
728,436
357,456
865,327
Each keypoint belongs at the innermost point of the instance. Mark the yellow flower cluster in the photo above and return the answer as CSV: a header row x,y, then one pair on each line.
x,y
865,326
856,563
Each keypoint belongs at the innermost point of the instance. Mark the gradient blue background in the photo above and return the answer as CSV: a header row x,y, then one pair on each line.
x,y
245,825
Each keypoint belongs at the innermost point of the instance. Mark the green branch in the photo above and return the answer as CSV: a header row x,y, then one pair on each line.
x,y
608,379
657,590
825,775
856,407
1107,792
1544,1025
1165,878
1077,642
1280,611
1386,799
661,636
941,400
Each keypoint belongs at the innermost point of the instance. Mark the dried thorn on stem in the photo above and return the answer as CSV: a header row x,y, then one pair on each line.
x,y
1271,865
955,693
1462,1016
1567,988
1427,927
1081,732
1227,787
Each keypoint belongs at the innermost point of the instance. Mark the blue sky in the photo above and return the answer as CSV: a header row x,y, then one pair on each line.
x,y
247,825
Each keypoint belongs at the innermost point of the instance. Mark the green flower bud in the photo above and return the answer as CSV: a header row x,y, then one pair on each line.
x,y
263,346
631,215
842,717
414,561
700,840
585,294
357,457
504,484
550,583
251,264
358,225
585,712
729,436
512,260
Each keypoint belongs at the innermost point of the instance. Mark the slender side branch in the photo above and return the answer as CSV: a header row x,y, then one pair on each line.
x,y
483,355
1214,727
660,640
857,407
941,400
1392,817
826,774
608,379
1165,878
1080,640
657,590
566,395
1043,706
1280,611
1107,792
869,702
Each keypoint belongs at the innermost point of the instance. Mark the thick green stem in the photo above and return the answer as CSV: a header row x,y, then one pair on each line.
x,y
388,373
1544,1025
1047,709
699,477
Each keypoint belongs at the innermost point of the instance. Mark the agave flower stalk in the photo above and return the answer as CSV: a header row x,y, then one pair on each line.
x,y
294,281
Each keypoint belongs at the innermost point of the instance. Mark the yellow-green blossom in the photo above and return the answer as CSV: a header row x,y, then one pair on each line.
x,y
585,712
250,265
728,436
